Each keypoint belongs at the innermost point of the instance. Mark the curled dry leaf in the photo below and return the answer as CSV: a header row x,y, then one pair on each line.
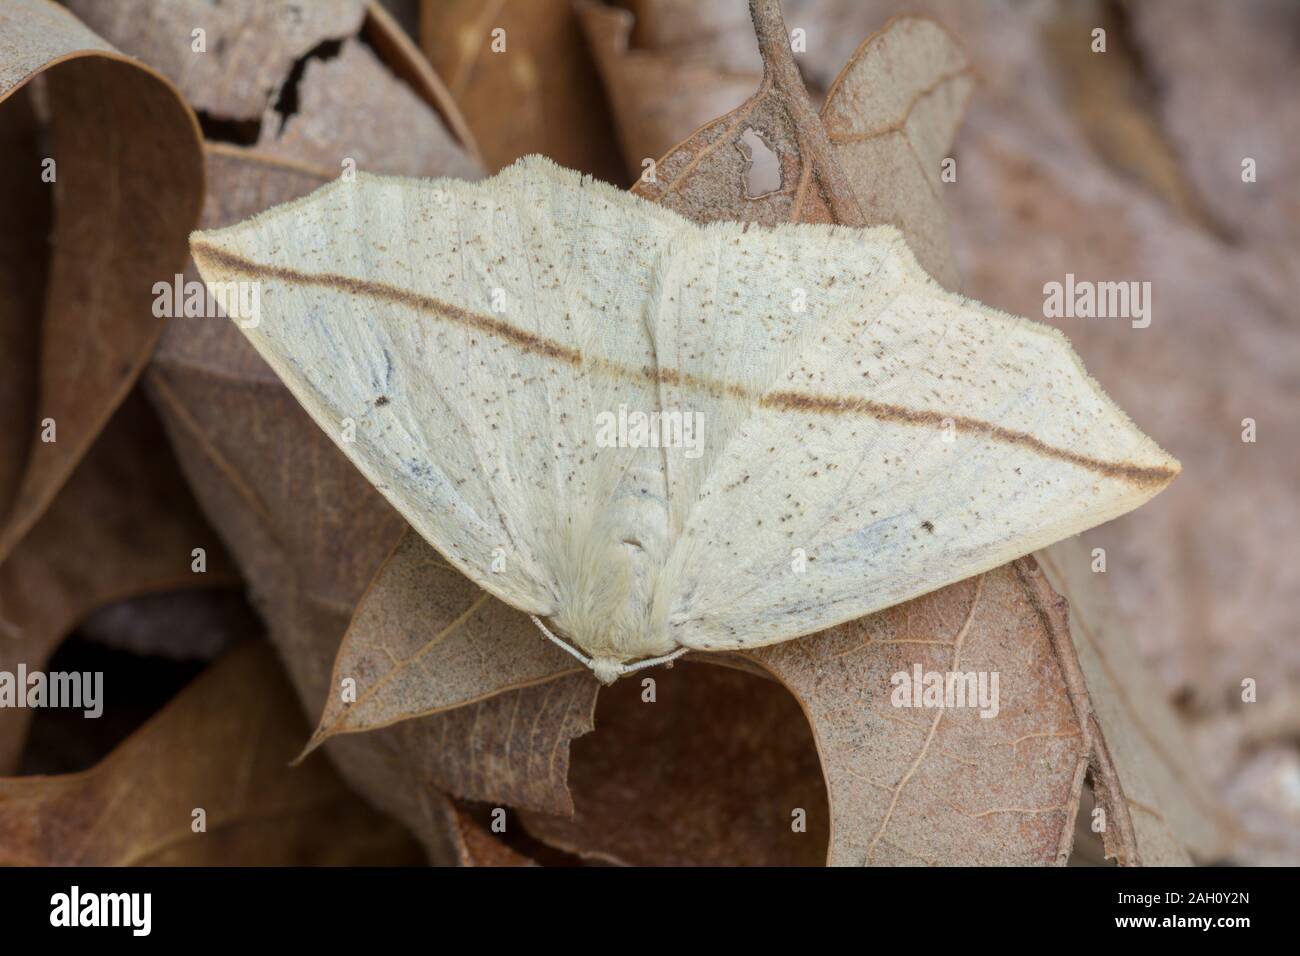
x,y
89,513
222,746
125,525
669,68
520,71
83,336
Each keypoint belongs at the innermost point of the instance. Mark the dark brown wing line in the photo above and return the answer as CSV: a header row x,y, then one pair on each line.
x,y
1144,476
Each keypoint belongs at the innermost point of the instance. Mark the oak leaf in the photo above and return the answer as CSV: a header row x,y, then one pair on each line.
x,y
220,748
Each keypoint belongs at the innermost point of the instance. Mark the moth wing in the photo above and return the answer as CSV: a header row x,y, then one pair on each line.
x,y
906,439
431,328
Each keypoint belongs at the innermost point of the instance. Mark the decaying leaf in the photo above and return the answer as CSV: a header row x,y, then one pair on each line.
x,y
110,120
205,782
710,173
520,70
191,41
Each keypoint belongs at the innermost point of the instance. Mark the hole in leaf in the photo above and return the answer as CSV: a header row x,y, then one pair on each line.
x,y
763,166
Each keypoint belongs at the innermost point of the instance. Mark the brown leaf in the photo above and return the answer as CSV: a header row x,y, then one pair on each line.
x,y
225,80
540,94
83,343
481,848
222,745
669,68
942,786
892,115
125,525
1142,772
418,643
719,769
708,176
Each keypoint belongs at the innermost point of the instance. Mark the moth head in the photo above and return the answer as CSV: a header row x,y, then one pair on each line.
x,y
606,669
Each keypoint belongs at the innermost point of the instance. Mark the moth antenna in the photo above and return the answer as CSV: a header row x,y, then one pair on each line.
x,y
563,645
667,660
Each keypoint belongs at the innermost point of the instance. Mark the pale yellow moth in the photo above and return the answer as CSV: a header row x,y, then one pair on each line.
x,y
831,432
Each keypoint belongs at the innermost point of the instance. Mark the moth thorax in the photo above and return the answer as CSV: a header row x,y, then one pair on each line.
x,y
604,597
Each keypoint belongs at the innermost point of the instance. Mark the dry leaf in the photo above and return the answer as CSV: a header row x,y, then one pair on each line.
x,y
417,645
718,168
669,68
892,115
481,848
223,79
718,769
936,786
221,746
1142,767
110,120
85,518
125,525
520,70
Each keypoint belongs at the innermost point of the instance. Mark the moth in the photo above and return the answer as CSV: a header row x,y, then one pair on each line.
x,y
514,364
